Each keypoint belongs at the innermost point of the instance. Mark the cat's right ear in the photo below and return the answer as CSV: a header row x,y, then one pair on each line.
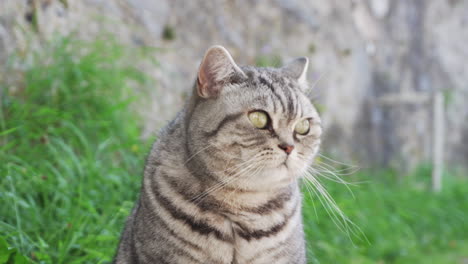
x,y
216,69
297,69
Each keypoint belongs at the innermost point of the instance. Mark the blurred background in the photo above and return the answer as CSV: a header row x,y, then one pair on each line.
x,y
86,84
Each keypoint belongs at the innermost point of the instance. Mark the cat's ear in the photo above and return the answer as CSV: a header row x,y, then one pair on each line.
x,y
297,69
216,70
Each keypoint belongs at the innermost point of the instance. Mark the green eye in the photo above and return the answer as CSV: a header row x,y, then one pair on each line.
x,y
259,119
302,127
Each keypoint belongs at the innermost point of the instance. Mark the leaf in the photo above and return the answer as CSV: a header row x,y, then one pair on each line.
x,y
44,257
4,251
8,131
10,255
20,259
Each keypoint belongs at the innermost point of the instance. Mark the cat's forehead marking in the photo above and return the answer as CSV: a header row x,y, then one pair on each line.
x,y
284,95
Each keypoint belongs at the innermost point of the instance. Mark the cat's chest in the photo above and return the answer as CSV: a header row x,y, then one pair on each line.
x,y
259,238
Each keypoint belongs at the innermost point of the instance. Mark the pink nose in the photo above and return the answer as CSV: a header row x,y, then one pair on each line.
x,y
286,147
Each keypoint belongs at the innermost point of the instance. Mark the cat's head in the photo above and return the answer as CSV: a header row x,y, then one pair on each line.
x,y
254,127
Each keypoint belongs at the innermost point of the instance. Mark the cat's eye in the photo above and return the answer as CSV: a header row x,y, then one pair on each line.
x,y
259,119
302,127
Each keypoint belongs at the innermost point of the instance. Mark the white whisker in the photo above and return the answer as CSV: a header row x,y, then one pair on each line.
x,y
250,163
254,174
309,192
313,185
315,83
198,152
338,179
337,162
344,222
334,213
222,184
341,172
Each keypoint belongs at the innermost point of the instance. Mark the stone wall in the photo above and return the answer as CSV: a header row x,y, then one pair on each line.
x,y
375,64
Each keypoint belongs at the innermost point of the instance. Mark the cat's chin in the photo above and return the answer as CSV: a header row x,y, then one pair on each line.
x,y
273,178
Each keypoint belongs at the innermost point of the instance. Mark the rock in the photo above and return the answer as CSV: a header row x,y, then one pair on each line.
x,y
367,57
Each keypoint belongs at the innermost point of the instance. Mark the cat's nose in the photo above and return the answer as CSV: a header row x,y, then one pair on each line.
x,y
286,147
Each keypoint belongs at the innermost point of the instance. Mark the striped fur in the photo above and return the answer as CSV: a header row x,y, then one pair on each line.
x,y
215,188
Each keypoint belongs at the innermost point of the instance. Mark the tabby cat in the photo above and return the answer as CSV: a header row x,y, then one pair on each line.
x,y
221,183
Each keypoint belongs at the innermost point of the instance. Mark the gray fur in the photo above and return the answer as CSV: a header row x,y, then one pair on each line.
x,y
218,190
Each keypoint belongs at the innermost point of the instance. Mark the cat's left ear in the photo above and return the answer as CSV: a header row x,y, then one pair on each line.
x,y
297,69
216,70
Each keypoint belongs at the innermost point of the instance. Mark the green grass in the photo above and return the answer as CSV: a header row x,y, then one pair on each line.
x,y
71,163
71,158
399,221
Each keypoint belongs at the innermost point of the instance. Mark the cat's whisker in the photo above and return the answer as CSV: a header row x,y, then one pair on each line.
x,y
336,213
324,172
198,152
241,165
341,172
338,180
337,162
334,216
309,188
313,185
203,149
251,162
328,208
234,169
254,174
312,88
221,185
328,203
